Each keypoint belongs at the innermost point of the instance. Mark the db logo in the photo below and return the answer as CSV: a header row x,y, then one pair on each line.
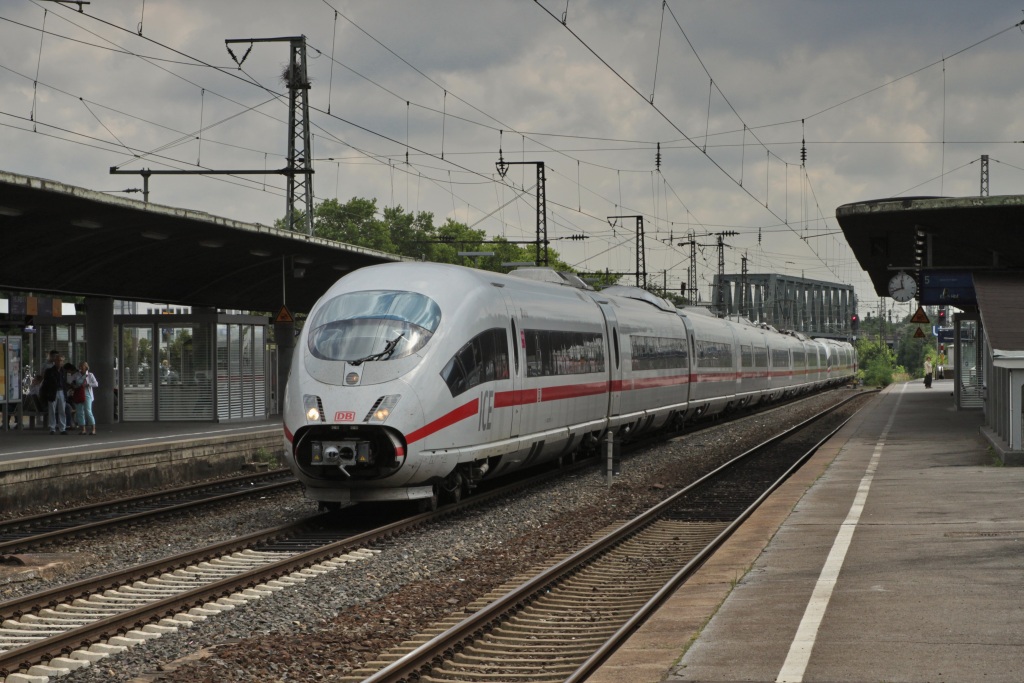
x,y
344,416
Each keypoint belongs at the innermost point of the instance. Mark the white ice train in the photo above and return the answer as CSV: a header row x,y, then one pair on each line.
x,y
417,380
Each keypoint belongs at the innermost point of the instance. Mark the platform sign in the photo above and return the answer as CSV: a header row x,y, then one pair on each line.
x,y
945,287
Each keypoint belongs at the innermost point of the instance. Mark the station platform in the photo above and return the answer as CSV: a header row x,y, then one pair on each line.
x,y
895,554
39,468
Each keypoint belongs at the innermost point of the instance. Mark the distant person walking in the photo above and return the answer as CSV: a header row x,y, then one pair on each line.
x,y
927,373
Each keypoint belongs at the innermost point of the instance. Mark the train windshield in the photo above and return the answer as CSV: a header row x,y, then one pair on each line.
x,y
376,325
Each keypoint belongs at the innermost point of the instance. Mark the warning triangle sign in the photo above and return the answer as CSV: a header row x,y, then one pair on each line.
x,y
919,334
284,316
920,318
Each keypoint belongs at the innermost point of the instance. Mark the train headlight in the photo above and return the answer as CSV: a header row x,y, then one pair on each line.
x,y
313,408
382,409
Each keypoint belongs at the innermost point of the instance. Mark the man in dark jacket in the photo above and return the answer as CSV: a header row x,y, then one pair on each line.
x,y
54,391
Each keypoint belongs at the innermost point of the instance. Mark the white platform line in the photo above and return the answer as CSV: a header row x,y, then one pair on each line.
x,y
807,633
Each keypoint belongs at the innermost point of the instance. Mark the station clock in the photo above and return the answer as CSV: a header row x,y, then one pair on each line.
x,y
902,286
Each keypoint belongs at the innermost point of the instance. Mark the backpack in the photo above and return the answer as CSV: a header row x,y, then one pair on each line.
x,y
51,383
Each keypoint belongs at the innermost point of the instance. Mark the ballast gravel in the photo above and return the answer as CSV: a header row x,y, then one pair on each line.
x,y
329,626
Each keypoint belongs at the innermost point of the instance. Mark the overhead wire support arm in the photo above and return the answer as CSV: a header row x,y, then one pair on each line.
x,y
542,203
300,143
146,173
641,255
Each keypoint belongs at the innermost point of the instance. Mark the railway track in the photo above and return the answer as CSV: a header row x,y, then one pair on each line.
x,y
23,533
560,623
55,631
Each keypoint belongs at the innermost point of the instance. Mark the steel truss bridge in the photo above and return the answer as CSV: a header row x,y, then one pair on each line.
x,y
811,307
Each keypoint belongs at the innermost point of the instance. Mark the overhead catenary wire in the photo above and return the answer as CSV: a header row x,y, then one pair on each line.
x,y
446,154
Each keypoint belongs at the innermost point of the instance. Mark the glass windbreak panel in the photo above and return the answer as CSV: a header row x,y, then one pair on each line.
x,y
971,370
374,325
231,388
247,388
56,337
223,378
78,350
184,374
259,371
136,390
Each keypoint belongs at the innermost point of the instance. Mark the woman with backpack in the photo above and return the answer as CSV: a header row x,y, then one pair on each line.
x,y
82,385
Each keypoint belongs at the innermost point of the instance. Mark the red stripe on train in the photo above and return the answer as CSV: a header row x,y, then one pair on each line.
x,y
461,413
573,391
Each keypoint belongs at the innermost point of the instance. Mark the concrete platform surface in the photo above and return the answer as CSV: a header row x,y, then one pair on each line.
x,y
16,444
38,468
896,554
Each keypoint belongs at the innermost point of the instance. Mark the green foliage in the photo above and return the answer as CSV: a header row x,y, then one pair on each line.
x,y
395,231
262,455
877,362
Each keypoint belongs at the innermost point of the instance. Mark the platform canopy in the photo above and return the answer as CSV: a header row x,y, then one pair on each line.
x,y
62,240
947,236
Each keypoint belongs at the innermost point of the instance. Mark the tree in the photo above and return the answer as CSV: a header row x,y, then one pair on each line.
x,y
354,222
876,361
399,232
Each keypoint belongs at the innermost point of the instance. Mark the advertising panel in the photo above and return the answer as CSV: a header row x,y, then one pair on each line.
x,y
14,388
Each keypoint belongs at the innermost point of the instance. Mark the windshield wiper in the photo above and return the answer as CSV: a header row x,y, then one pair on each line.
x,y
389,348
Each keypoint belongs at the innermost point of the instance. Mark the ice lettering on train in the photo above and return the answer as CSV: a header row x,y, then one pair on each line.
x,y
486,409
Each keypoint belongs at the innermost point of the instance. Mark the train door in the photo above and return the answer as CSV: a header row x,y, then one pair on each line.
x,y
614,357
517,368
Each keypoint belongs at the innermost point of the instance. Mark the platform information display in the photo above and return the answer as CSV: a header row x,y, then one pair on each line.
x,y
945,287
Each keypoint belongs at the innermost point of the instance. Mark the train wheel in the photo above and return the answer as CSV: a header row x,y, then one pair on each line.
x,y
328,506
453,493
455,496
566,459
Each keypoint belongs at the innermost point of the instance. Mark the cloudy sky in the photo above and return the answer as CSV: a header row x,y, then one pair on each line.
x,y
412,101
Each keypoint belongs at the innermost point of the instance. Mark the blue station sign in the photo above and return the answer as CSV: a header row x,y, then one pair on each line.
x,y
947,287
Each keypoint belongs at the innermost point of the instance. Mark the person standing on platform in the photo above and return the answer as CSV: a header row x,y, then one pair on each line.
x,y
927,373
54,390
82,384
69,404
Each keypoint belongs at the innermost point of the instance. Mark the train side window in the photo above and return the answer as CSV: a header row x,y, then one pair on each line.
x,y
747,355
483,359
658,353
615,340
454,376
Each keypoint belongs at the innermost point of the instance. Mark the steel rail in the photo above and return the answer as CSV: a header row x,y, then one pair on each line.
x,y
418,661
591,665
111,507
48,648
